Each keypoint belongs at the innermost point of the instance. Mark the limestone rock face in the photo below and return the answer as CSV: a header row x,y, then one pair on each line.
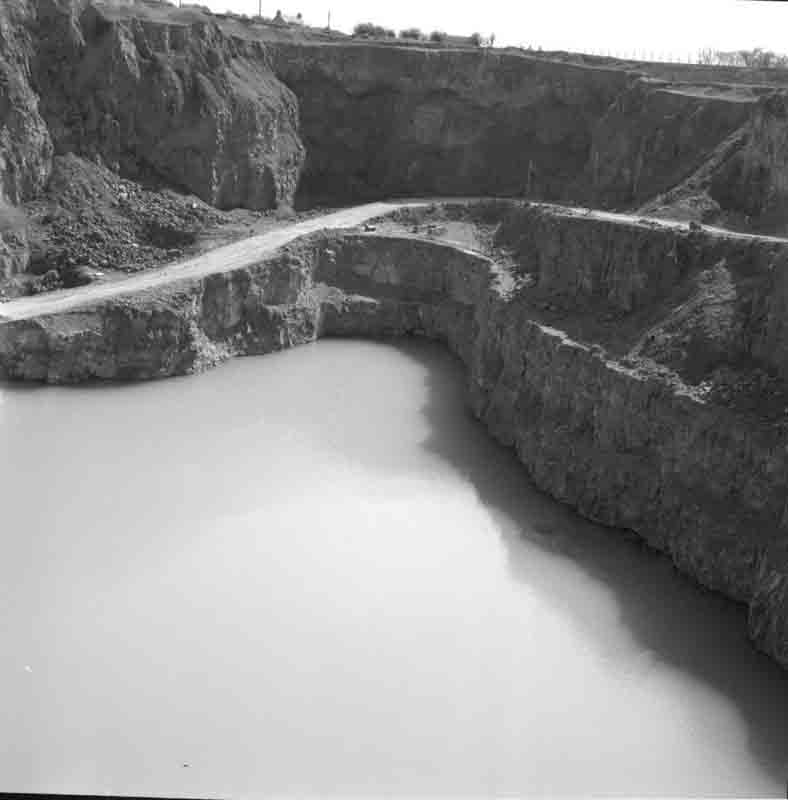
x,y
395,121
743,182
386,121
654,135
25,144
626,446
181,103
14,250
220,108
753,183
14,253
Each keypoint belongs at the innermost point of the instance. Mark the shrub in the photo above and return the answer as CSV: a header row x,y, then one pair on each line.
x,y
757,58
411,33
369,30
364,29
438,36
476,39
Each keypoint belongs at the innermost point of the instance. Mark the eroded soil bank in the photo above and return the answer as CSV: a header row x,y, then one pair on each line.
x,y
625,361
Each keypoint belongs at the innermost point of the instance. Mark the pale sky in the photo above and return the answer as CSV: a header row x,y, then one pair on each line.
x,y
662,27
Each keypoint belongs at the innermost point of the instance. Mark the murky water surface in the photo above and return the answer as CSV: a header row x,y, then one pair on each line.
x,y
314,573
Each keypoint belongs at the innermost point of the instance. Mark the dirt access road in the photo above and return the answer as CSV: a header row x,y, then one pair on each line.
x,y
249,251
222,259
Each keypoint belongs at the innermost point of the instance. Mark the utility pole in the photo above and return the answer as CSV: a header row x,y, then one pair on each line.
x,y
328,27
260,8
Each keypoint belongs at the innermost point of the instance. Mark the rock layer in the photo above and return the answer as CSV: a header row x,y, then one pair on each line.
x,y
380,122
25,143
630,447
232,114
177,101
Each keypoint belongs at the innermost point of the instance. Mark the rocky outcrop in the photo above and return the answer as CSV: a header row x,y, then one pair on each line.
x,y
14,253
185,327
752,185
743,184
655,134
390,121
25,144
387,121
205,104
626,442
180,102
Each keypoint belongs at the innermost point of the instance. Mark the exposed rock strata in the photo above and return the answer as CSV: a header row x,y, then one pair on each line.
x,y
14,253
743,183
380,121
25,143
201,104
180,102
625,445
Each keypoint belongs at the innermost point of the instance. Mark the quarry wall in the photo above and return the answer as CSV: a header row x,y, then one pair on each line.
x,y
625,445
202,105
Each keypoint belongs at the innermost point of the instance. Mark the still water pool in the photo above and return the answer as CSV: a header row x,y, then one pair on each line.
x,y
314,573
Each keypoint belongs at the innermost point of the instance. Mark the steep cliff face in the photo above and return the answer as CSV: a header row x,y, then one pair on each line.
x,y
630,450
705,310
743,184
382,121
656,134
14,253
396,121
185,327
230,113
626,441
25,144
176,101
753,183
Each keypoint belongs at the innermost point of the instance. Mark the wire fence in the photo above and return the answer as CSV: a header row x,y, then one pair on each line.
x,y
664,56
755,59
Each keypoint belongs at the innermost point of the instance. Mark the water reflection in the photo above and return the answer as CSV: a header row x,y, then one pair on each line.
x,y
314,573
672,621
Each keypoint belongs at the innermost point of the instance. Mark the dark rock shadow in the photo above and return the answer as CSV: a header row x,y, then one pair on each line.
x,y
667,617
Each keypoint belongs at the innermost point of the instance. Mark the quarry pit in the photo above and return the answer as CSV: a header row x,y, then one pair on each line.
x,y
603,246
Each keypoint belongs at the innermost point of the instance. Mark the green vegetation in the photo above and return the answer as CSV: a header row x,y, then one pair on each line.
x,y
411,33
438,36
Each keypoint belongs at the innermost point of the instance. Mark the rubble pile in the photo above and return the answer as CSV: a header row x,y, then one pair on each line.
x,y
90,221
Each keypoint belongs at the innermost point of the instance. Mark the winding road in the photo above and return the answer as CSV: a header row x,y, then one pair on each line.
x,y
222,259
251,250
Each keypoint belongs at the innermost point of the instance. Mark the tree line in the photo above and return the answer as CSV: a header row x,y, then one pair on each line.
x,y
755,59
368,30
